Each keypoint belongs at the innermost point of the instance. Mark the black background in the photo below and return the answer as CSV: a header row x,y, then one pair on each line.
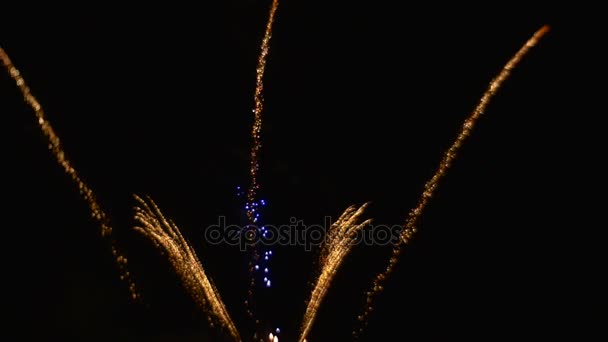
x,y
361,101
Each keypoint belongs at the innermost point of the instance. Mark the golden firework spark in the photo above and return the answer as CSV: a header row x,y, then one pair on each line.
x,y
431,186
256,147
54,145
258,98
336,246
167,237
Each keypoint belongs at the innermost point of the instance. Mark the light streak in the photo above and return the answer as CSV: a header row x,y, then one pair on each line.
x,y
431,186
167,237
336,246
86,193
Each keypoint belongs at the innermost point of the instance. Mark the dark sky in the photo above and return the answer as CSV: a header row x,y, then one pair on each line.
x,y
361,101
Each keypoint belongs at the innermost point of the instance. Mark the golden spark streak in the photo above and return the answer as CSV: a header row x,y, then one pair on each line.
x,y
338,243
54,145
259,106
256,145
431,186
167,237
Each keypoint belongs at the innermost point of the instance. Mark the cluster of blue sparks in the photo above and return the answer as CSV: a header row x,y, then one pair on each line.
x,y
257,232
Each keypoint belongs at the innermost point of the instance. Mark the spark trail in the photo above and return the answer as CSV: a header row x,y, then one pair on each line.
x,y
431,186
258,98
256,147
167,237
56,149
336,246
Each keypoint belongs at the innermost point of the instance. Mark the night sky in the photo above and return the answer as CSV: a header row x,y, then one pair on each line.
x,y
361,100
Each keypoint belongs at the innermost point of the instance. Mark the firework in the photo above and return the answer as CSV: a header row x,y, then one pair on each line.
x,y
167,237
431,186
253,205
338,243
56,149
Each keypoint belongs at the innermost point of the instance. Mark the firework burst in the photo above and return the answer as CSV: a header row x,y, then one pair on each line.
x,y
164,233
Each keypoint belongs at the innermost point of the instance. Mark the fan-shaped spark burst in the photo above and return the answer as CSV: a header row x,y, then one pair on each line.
x,y
167,237
337,244
54,145
431,186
